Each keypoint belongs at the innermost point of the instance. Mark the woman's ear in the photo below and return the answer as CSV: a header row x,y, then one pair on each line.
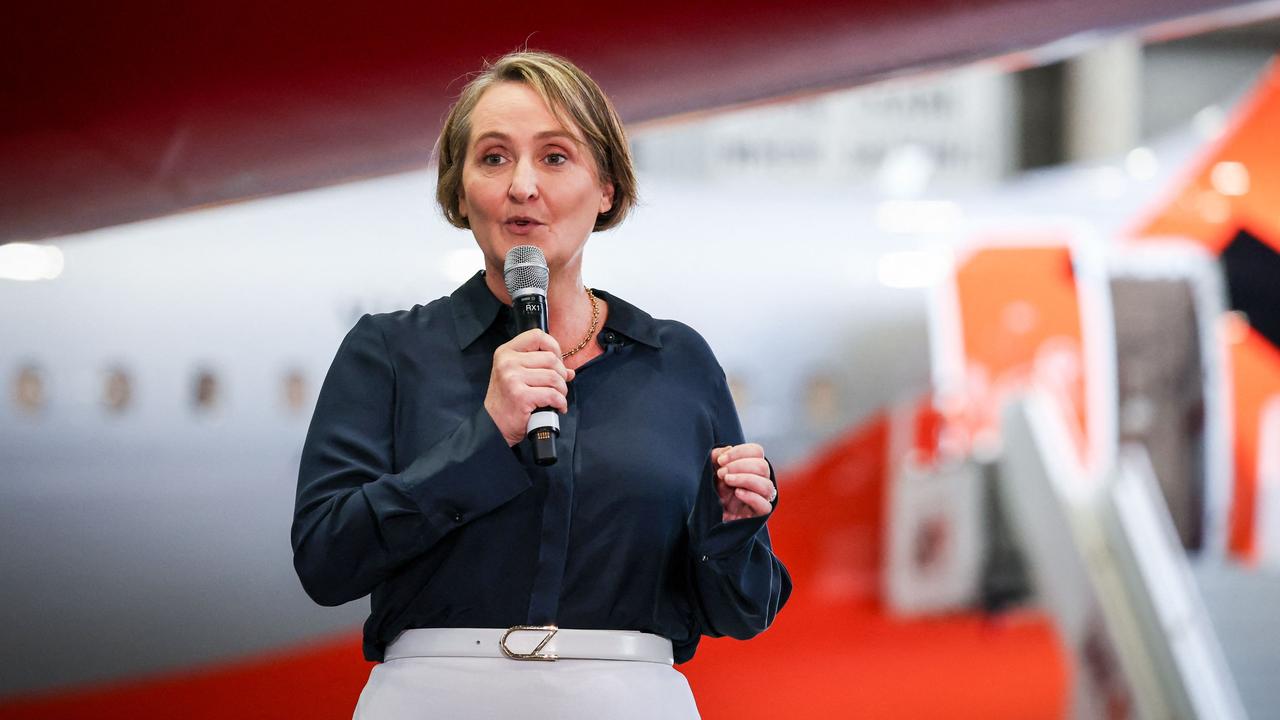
x,y
462,203
606,198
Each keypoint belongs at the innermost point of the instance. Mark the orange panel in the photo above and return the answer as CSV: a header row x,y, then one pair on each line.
x,y
1198,210
1018,305
1255,367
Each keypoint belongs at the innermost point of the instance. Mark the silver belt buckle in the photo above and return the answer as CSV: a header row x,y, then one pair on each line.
x,y
536,653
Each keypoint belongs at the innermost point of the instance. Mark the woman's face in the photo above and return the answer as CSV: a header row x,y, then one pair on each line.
x,y
528,180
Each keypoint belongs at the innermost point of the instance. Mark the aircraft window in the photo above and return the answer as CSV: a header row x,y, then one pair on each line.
x,y
206,389
739,391
117,390
821,400
28,389
295,391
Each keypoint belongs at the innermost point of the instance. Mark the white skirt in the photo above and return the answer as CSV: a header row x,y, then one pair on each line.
x,y
427,688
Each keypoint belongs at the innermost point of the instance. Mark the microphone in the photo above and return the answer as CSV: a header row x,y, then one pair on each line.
x,y
526,275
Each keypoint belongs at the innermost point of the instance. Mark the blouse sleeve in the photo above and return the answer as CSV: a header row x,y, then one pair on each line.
x,y
355,521
739,584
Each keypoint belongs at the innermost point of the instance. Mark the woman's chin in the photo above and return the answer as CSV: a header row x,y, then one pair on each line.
x,y
556,255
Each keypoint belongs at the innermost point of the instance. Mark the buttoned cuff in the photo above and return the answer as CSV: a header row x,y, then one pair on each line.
x,y
712,538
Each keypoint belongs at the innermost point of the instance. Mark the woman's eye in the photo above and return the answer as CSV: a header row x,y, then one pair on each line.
x,y
557,159
491,159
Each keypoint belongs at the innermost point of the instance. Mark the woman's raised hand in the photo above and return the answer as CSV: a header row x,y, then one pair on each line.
x,y
527,374
742,481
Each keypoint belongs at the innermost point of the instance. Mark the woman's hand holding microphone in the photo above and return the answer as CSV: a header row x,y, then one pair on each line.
x,y
527,374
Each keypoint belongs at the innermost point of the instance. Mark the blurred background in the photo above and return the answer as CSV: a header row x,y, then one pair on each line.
x,y
1014,266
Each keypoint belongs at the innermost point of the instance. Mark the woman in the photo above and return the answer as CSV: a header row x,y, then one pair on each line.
x,y
415,485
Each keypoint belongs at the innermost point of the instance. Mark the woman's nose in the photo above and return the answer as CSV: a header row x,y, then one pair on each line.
x,y
524,182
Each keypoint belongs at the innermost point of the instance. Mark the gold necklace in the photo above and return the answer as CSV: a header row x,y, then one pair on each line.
x,y
595,318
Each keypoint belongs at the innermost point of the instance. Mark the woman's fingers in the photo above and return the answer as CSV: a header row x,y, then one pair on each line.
x,y
758,503
549,397
526,399
542,359
534,340
751,483
735,452
716,453
546,355
757,465
545,377
742,505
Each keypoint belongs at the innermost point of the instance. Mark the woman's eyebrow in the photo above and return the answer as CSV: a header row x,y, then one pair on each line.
x,y
499,135
493,134
556,133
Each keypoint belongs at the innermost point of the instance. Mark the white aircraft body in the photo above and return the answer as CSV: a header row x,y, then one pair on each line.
x,y
159,389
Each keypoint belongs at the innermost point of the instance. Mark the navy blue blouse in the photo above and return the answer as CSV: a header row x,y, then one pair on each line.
x,y
407,489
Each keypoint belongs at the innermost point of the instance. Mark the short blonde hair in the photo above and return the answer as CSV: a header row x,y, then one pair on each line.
x,y
571,95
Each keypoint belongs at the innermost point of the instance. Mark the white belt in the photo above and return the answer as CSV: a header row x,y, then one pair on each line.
x,y
537,642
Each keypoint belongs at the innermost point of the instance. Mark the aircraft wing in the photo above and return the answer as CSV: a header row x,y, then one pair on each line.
x,y
119,112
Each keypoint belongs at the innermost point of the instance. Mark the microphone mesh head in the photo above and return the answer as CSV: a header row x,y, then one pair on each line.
x,y
525,267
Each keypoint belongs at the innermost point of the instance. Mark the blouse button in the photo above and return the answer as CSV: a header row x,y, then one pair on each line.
x,y
457,517
704,558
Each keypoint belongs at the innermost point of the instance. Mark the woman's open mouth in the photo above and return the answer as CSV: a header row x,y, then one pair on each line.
x,y
522,225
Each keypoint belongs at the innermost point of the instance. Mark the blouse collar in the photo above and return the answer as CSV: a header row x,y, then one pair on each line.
x,y
475,309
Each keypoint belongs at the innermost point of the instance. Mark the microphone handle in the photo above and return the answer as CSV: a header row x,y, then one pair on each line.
x,y
544,424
